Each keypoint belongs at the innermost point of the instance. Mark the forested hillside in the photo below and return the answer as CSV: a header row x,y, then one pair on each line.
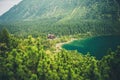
x,y
31,59
27,52
72,16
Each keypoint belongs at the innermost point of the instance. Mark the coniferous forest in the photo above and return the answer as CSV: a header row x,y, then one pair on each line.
x,y
30,31
30,59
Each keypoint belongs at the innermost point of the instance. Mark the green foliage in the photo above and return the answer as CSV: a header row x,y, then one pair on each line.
x,y
4,36
65,17
29,60
110,65
7,41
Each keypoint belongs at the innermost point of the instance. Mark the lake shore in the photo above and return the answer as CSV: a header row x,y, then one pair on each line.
x,y
59,45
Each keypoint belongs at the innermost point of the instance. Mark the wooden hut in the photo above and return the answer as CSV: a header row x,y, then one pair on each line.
x,y
51,36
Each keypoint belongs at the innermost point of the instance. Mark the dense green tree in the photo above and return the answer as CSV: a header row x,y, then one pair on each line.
x,y
30,61
4,36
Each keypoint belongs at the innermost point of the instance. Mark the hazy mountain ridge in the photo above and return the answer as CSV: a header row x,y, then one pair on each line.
x,y
41,9
37,9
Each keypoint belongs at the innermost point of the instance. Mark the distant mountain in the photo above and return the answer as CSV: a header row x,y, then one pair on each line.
x,y
60,12
29,10
40,9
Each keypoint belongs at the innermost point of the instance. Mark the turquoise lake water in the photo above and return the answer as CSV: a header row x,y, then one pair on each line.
x,y
96,46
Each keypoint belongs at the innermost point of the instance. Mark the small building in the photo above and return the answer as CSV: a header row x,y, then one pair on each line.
x,y
51,36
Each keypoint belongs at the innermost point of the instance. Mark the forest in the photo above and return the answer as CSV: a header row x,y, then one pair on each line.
x,y
99,17
26,53
94,27
33,58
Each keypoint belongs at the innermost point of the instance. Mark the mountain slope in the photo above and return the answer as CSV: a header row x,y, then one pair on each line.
x,y
42,9
88,15
39,9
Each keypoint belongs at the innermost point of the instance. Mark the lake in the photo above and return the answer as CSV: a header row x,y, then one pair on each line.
x,y
96,46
